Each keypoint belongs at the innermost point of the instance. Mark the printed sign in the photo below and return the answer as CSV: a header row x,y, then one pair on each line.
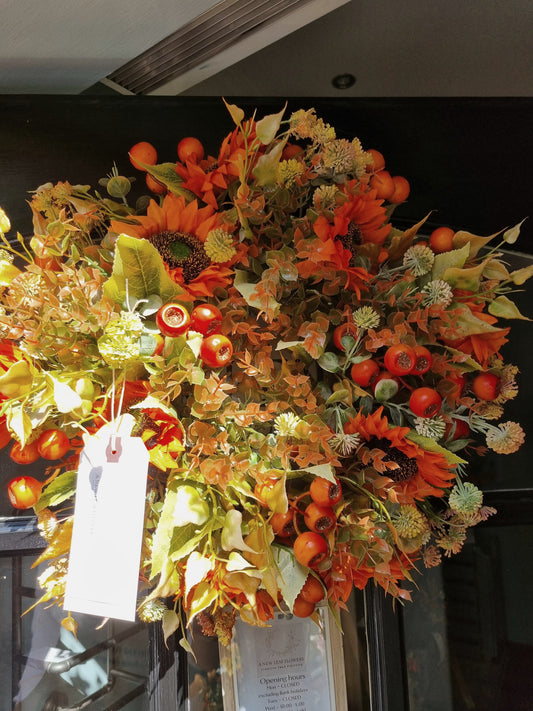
x,y
285,667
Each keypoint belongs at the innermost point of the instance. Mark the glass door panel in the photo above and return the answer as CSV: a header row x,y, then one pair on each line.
x,y
44,666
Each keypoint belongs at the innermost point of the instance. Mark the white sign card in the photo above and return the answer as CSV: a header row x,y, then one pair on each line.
x,y
103,572
285,667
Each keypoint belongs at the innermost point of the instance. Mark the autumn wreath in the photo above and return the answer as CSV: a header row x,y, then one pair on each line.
x,y
309,380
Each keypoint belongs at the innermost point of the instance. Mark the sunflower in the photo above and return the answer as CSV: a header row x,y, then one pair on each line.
x,y
415,472
361,219
179,230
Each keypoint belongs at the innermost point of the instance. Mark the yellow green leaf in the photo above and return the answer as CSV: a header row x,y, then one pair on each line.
x,y
496,270
502,307
462,238
467,279
338,396
59,543
198,566
170,622
60,489
138,270
290,574
266,168
267,127
166,173
520,276
326,471
431,446
17,380
231,537
511,235
203,595
456,258
236,113
8,272
19,423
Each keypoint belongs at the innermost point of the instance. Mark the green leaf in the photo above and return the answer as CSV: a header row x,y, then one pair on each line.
x,y
138,269
290,574
326,471
431,446
170,622
60,489
502,307
166,173
236,113
329,361
456,258
185,539
267,127
163,534
511,235
266,168
338,396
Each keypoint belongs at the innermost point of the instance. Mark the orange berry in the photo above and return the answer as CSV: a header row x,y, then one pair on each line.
x,y
155,186
383,184
441,239
143,152
190,149
378,161
401,189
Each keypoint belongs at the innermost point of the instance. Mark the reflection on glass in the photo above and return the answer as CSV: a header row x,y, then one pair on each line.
x,y
46,667
469,632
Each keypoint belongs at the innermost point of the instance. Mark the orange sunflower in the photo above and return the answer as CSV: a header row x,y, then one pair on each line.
x,y
179,230
415,473
361,219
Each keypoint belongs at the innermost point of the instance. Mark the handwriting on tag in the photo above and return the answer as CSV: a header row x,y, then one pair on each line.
x,y
103,572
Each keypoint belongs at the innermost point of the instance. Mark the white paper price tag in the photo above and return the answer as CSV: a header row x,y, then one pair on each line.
x,y
103,572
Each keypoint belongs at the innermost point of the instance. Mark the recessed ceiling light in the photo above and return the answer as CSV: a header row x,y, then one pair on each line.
x,y
343,81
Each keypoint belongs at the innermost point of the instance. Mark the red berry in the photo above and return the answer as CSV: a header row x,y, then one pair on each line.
x,y
399,359
425,402
486,386
365,372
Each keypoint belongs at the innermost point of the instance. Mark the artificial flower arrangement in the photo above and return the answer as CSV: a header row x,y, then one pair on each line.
x,y
309,380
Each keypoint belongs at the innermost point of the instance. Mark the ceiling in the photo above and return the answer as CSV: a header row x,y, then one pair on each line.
x,y
408,48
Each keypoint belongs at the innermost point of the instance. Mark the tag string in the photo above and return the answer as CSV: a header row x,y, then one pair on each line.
x,y
115,415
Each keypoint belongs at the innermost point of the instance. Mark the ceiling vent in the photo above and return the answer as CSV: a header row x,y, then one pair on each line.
x,y
219,37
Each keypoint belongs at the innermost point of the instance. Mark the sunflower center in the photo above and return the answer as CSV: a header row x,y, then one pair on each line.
x,y
181,250
351,240
406,469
